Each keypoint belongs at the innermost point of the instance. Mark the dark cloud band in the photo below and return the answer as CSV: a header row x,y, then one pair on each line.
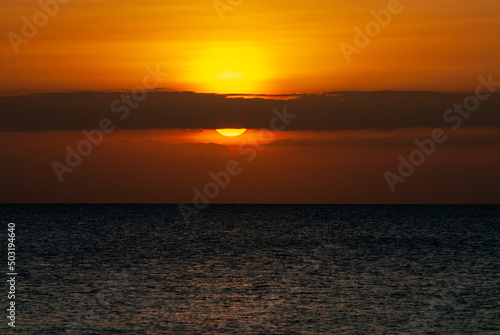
x,y
329,111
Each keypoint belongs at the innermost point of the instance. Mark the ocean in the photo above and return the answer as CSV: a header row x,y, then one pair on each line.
x,y
254,269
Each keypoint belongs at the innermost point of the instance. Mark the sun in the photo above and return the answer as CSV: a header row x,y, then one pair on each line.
x,y
231,132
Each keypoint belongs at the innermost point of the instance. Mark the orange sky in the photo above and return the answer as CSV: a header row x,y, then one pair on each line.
x,y
336,150
260,46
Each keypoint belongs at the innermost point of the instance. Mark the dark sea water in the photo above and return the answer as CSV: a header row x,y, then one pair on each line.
x,y
255,269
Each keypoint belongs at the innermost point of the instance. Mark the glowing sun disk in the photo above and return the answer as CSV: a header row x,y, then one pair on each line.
x,y
231,132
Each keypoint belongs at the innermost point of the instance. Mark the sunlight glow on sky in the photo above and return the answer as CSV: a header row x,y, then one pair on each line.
x,y
344,119
260,47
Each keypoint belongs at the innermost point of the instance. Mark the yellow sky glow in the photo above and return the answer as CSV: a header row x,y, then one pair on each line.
x,y
260,46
